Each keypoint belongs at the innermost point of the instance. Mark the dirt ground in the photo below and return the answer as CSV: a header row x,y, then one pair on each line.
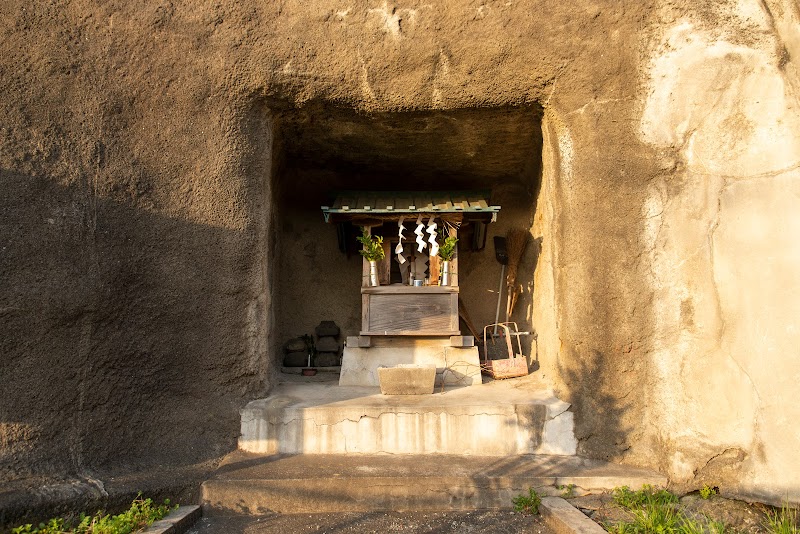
x,y
417,522
739,517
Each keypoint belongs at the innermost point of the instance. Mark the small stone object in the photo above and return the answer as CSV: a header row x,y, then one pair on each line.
x,y
295,359
327,344
296,344
327,329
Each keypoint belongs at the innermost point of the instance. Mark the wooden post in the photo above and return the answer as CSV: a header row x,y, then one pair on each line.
x,y
365,312
434,269
454,316
385,265
454,262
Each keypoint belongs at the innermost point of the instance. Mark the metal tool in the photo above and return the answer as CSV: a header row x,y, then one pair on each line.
x,y
501,255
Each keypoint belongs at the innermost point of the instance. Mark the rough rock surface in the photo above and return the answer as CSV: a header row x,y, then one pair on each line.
x,y
142,146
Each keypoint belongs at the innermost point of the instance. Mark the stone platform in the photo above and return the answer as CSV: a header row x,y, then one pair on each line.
x,y
499,418
458,366
258,484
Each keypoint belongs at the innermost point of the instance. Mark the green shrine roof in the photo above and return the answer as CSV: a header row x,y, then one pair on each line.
x,y
351,205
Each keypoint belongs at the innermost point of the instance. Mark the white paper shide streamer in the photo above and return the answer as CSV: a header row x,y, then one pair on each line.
x,y
420,231
399,248
432,239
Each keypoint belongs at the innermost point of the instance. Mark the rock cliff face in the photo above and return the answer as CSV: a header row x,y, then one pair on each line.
x,y
721,107
144,147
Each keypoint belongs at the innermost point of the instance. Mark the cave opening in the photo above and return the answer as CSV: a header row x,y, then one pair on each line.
x,y
321,150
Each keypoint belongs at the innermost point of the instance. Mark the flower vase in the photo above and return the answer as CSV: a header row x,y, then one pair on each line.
x,y
373,274
445,273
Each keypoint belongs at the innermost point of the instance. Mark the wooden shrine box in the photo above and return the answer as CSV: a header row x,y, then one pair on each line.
x,y
400,310
403,309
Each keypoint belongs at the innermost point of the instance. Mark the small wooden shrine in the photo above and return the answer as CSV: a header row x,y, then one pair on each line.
x,y
413,292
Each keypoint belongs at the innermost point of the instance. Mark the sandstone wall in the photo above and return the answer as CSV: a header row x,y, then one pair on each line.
x,y
721,108
137,255
133,221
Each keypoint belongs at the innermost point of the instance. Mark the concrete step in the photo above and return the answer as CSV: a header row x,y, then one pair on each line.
x,y
259,484
494,419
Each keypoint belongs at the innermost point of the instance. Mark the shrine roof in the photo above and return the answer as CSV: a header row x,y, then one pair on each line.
x,y
350,205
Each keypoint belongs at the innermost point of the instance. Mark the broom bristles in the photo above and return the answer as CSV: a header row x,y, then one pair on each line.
x,y
516,243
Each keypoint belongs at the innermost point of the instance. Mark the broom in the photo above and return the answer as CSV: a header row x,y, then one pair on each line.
x,y
516,242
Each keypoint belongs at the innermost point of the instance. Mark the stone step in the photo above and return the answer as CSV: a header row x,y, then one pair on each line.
x,y
259,484
495,419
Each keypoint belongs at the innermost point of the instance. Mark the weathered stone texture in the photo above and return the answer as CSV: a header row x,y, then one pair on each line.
x,y
133,299
722,109
136,220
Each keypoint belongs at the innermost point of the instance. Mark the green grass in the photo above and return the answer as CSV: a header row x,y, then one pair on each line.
x,y
630,499
655,511
141,514
706,492
527,504
709,526
783,521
